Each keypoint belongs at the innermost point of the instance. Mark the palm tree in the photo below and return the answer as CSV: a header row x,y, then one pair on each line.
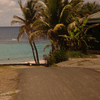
x,y
29,16
56,15
89,8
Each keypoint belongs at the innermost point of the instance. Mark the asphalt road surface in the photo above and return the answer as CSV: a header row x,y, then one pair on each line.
x,y
58,83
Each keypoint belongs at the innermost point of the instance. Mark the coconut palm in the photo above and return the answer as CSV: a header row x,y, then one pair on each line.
x,y
29,16
55,16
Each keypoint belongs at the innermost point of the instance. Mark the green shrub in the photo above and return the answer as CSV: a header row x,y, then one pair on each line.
x,y
79,54
50,60
63,55
57,56
75,54
60,55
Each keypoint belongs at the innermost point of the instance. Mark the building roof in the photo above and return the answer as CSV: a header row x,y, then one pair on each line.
x,y
94,18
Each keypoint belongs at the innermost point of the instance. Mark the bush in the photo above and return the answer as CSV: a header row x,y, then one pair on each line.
x,y
50,60
60,55
57,56
75,54
79,54
63,55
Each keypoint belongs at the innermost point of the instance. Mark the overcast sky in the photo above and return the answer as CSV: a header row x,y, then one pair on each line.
x,y
9,8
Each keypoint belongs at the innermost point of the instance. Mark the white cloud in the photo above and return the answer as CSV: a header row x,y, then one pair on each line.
x,y
8,8
97,1
12,3
4,2
1,11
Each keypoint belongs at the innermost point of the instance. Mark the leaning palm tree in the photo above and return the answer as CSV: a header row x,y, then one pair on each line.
x,y
55,15
29,16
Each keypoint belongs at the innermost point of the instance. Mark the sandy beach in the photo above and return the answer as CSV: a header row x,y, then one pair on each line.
x,y
24,63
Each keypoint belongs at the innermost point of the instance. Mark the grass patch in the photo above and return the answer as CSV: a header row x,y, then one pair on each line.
x,y
80,64
54,65
11,94
83,60
64,55
3,66
79,54
72,63
93,56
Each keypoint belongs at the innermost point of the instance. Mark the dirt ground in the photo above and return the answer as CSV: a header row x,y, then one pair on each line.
x,y
8,81
92,63
9,74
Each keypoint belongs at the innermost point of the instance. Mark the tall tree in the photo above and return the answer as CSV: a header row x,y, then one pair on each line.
x,y
56,15
29,16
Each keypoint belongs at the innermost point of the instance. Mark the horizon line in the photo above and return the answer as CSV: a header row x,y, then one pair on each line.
x,y
9,26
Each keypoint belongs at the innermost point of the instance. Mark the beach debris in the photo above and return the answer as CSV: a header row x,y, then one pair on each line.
x,y
45,57
9,93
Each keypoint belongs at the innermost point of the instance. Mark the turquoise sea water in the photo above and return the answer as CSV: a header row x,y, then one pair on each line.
x,y
12,52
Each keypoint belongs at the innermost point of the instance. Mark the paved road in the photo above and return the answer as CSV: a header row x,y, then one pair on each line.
x,y
59,83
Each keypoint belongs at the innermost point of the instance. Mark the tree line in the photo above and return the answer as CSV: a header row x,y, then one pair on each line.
x,y
63,22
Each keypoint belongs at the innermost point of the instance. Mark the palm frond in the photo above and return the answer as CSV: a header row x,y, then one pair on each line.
x,y
20,35
19,18
77,21
15,21
71,34
88,37
42,4
43,9
59,26
47,46
51,40
78,6
65,36
21,28
41,27
26,14
67,7
20,4
85,21
94,25
71,25
35,34
75,2
85,43
89,8
40,22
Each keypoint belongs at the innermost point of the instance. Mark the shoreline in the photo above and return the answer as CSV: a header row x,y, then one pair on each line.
x,y
42,62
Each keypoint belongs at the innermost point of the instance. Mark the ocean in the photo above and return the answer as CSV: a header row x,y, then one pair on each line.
x,y
12,51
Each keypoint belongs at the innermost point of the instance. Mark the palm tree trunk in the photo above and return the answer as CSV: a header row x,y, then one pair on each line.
x,y
33,52
36,53
37,57
53,48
